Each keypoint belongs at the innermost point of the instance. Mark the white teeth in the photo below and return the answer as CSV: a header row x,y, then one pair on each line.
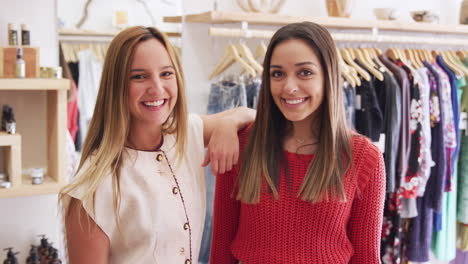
x,y
295,101
154,103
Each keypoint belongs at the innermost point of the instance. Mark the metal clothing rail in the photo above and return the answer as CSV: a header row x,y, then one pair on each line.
x,y
374,37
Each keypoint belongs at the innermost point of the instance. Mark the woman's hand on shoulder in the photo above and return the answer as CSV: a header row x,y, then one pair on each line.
x,y
220,137
223,148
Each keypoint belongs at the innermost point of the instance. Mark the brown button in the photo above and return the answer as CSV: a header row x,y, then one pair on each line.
x,y
175,190
186,226
159,157
187,261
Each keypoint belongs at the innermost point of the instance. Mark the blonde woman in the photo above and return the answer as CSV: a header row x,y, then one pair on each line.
x,y
307,189
139,193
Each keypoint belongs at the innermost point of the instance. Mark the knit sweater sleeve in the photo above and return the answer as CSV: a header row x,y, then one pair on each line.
x,y
225,219
365,224
226,212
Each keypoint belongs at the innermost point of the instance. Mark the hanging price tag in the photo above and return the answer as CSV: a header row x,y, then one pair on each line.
x,y
381,143
357,103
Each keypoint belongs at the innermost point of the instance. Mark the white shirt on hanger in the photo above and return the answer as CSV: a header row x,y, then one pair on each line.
x,y
90,70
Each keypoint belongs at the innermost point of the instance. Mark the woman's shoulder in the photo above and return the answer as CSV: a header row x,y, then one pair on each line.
x,y
363,146
367,157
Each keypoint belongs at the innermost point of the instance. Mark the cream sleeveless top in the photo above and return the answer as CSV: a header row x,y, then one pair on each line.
x,y
161,214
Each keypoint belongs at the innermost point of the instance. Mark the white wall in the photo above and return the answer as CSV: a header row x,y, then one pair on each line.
x,y
39,16
22,219
362,8
100,12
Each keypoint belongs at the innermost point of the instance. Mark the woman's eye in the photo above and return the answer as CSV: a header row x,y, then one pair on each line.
x,y
137,77
305,73
276,74
167,74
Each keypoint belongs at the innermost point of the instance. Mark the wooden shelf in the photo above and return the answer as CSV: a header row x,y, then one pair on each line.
x,y
50,107
223,17
37,84
26,188
9,139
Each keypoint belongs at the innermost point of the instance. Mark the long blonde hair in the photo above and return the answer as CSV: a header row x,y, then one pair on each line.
x,y
264,146
109,127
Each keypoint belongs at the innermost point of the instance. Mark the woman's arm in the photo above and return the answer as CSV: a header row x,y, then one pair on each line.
x,y
365,223
220,136
86,241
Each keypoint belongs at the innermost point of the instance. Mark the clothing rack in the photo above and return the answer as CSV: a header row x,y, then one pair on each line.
x,y
374,37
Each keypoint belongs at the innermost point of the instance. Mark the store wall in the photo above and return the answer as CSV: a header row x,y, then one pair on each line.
x,y
22,219
100,12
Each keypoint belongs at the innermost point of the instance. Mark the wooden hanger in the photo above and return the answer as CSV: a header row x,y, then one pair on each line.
x,y
393,54
246,54
375,57
350,61
231,55
412,58
450,64
353,72
461,55
345,72
452,56
260,51
359,55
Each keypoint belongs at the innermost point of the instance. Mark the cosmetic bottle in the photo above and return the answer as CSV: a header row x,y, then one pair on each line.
x,y
25,35
20,64
12,35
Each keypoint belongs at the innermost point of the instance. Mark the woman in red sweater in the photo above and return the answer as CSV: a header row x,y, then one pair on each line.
x,y
308,189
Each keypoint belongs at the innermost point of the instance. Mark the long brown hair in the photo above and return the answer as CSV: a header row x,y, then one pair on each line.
x,y
263,154
109,127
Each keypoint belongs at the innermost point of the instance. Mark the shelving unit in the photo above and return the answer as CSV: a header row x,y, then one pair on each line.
x,y
35,99
223,17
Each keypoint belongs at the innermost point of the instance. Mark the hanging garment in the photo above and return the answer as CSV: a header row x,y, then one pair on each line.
x,y
72,112
456,115
90,76
420,233
461,258
435,184
409,184
450,138
349,94
426,155
369,118
392,128
462,183
444,242
227,93
391,240
405,139
252,88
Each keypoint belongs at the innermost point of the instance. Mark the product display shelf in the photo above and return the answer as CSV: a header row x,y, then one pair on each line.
x,y
54,108
224,17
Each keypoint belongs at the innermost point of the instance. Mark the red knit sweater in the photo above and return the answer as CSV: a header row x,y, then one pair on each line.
x,y
289,230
